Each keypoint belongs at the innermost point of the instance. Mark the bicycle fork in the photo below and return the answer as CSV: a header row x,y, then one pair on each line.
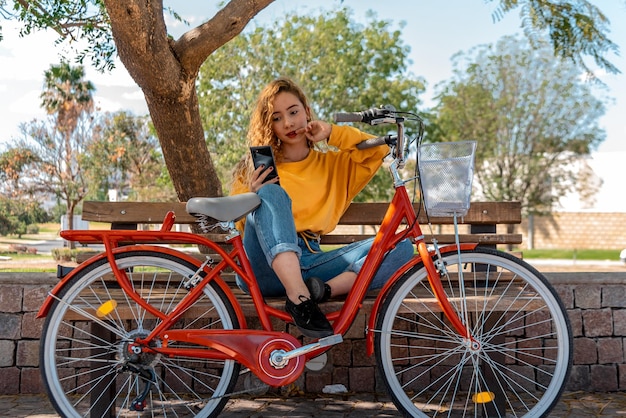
x,y
435,271
435,283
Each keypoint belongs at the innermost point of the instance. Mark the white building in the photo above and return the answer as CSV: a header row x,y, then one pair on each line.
x,y
610,168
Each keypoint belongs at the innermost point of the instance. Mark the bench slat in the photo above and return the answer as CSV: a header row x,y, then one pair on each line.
x,y
134,212
479,213
485,239
357,213
482,216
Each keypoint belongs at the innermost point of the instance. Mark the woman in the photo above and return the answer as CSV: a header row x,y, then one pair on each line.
x,y
281,237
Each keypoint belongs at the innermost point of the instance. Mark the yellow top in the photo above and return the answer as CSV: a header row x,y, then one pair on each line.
x,y
322,185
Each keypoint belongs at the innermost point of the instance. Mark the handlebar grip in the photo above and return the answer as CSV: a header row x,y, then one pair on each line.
x,y
375,142
348,117
367,116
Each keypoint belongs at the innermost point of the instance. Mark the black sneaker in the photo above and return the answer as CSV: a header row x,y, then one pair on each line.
x,y
320,291
308,318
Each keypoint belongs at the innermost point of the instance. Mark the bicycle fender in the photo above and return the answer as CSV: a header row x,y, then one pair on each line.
x,y
53,294
393,279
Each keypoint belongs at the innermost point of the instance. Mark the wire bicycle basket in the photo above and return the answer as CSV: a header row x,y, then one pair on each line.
x,y
446,171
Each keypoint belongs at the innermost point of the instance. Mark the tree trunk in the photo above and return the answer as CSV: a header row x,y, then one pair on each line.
x,y
166,71
70,221
182,140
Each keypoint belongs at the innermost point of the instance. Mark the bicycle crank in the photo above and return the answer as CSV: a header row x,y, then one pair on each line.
x,y
277,358
280,357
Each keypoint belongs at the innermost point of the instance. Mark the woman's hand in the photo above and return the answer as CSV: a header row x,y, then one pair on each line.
x,y
258,178
316,130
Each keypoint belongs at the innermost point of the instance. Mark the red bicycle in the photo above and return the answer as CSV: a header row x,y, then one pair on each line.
x,y
459,330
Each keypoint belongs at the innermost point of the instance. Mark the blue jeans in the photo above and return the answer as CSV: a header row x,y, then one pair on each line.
x,y
270,230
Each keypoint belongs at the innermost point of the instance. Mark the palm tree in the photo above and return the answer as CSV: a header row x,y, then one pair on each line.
x,y
67,96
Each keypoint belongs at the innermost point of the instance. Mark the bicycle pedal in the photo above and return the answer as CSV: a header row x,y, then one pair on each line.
x,y
330,340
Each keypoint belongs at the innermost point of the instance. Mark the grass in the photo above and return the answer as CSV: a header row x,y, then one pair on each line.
x,y
562,254
50,231
32,263
49,228
27,269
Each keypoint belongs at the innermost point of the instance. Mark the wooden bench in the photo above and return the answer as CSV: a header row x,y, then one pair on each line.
x,y
479,225
483,223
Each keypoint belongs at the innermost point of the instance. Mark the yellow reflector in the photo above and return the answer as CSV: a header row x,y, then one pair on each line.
x,y
106,308
483,397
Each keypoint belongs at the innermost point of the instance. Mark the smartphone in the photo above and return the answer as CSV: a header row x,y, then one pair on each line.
x,y
264,156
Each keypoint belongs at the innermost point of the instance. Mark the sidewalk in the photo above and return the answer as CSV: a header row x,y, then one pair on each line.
x,y
572,405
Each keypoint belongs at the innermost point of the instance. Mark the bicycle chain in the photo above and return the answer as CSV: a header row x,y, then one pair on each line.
x,y
263,386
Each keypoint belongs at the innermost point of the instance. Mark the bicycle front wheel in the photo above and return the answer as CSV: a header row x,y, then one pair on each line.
x,y
89,366
519,355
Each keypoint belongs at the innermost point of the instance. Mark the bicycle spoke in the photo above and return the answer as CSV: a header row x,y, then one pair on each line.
x,y
519,356
89,361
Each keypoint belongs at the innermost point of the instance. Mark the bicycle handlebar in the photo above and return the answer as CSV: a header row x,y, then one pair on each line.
x,y
375,142
365,116
385,115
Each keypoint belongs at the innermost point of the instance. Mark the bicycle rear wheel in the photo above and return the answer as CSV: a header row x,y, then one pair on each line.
x,y
524,352
88,365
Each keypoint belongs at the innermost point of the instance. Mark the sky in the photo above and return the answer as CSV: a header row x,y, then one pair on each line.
x,y
434,33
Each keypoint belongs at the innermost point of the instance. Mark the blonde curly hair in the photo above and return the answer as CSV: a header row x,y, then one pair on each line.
x,y
260,130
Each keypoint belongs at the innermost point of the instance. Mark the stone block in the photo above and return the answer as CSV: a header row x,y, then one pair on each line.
x,y
7,353
31,381
27,353
341,354
359,354
576,321
11,299
614,296
10,382
34,297
610,350
31,326
566,293
315,382
341,376
357,329
619,322
362,379
585,351
579,379
603,378
598,323
10,326
588,297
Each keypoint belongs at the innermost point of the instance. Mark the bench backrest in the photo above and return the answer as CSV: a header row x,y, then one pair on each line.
x,y
483,218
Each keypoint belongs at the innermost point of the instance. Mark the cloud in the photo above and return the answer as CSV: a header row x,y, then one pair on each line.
x,y
118,98
26,58
176,28
116,77
135,95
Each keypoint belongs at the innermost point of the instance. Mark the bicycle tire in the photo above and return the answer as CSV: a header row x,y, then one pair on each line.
x,y
79,364
525,341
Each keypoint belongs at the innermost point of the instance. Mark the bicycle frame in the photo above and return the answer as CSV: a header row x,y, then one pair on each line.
x,y
245,345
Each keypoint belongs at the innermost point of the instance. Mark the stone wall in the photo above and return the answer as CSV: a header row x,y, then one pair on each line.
x,y
596,303
577,230
560,230
21,295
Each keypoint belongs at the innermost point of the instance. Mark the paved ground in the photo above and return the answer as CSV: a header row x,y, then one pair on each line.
x,y
572,405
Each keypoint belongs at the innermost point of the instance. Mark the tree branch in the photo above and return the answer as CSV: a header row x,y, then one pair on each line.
x,y
197,44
